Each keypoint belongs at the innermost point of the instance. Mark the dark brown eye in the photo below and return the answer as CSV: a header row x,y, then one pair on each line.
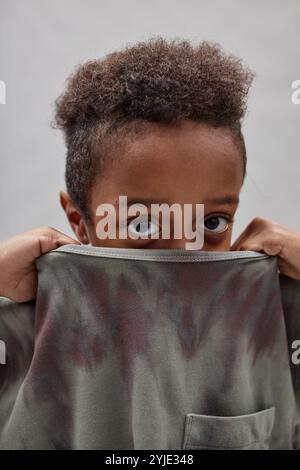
x,y
142,227
217,224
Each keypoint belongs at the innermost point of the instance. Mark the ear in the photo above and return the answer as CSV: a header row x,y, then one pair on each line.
x,y
74,217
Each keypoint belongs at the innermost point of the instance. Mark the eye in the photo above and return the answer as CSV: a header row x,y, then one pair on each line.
x,y
216,224
142,227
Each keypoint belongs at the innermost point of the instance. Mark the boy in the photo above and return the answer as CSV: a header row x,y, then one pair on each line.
x,y
158,121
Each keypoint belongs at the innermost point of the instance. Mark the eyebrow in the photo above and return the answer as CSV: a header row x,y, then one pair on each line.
x,y
140,200
228,199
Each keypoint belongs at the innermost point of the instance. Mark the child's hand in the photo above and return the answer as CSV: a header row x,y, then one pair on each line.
x,y
18,274
273,239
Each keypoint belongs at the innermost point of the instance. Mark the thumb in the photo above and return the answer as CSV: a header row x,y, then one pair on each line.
x,y
272,248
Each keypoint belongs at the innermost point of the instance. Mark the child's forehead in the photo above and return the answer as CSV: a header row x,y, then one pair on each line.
x,y
185,144
182,162
186,140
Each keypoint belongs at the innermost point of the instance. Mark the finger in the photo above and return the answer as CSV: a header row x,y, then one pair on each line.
x,y
53,239
268,246
253,229
239,242
65,240
272,247
60,236
249,246
241,238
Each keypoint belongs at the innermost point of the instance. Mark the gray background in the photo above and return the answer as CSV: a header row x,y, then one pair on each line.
x,y
41,42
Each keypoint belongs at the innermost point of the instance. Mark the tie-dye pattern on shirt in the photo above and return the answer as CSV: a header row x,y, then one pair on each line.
x,y
124,353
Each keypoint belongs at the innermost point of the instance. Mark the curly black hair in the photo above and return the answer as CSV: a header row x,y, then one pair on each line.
x,y
158,80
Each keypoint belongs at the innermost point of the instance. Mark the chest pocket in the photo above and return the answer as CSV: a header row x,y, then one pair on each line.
x,y
252,431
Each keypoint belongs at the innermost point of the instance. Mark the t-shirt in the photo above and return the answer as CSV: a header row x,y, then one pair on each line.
x,y
152,349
